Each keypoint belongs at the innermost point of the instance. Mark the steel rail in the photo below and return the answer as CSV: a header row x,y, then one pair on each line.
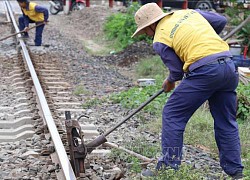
x,y
62,155
6,12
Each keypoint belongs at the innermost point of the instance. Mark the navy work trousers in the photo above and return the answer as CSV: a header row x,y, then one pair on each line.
x,y
216,83
39,30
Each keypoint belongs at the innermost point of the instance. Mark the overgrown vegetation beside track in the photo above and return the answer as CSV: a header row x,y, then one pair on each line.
x,y
199,131
243,113
120,27
237,14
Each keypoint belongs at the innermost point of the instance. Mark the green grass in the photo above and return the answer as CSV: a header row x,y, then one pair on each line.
x,y
153,126
186,172
151,67
93,102
200,130
246,162
144,147
244,129
80,89
151,150
135,96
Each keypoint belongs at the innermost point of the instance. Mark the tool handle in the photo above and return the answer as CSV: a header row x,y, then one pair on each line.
x,y
237,28
11,35
134,112
20,32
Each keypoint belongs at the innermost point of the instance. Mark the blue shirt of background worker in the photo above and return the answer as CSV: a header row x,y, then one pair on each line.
x,y
33,13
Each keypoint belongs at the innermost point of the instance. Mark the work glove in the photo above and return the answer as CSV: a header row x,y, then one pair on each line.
x,y
168,86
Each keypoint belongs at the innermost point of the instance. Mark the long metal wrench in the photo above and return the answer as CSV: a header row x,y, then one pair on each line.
x,y
134,112
102,138
21,31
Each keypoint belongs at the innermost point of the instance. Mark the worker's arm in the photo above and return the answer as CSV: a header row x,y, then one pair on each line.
x,y
171,60
217,21
43,10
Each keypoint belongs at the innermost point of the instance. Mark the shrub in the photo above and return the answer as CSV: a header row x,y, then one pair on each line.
x,y
235,13
243,94
121,26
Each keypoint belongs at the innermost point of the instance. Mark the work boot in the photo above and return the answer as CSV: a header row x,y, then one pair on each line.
x,y
237,176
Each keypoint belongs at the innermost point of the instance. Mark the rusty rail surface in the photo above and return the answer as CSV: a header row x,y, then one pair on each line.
x,y
47,117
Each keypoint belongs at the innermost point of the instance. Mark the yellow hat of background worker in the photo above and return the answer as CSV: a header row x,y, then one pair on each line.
x,y
147,15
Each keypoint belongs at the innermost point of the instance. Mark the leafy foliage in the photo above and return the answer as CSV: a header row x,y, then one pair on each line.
x,y
235,19
245,34
243,94
121,26
135,96
135,167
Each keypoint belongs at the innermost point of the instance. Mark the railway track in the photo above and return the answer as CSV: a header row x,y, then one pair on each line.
x,y
32,108
33,101
36,101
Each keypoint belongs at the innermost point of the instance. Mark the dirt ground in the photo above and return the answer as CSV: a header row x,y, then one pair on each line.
x,y
87,26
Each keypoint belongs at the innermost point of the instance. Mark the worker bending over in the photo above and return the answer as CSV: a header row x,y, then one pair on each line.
x,y
189,45
33,13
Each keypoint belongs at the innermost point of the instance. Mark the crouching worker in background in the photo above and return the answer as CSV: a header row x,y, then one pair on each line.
x,y
33,13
